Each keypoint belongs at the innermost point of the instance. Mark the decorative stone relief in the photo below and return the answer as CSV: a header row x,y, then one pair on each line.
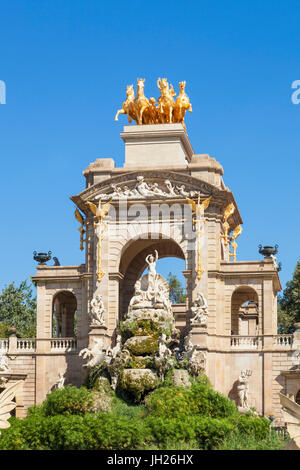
x,y
143,189
199,311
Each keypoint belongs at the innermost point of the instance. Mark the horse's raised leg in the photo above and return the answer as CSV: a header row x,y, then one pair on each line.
x,y
121,111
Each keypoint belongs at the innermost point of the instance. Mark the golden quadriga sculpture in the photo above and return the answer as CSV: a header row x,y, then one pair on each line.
x,y
165,111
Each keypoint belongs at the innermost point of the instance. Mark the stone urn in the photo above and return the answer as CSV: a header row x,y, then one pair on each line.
x,y
42,258
268,251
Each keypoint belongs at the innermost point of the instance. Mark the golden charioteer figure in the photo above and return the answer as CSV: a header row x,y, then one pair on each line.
x,y
165,111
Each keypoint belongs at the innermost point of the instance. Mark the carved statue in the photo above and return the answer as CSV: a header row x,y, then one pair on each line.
x,y
7,404
182,105
151,261
95,354
163,350
61,381
197,362
140,298
3,363
199,310
188,347
243,388
142,187
97,313
117,348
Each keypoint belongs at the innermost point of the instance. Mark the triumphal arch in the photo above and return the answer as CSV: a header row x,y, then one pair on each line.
x,y
165,201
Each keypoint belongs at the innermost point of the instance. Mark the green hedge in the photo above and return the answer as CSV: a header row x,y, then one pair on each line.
x,y
88,432
195,414
207,432
68,401
195,400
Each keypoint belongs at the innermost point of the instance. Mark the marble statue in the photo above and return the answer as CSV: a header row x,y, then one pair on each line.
x,y
3,363
61,381
151,260
140,298
96,354
196,362
199,310
188,347
97,313
243,388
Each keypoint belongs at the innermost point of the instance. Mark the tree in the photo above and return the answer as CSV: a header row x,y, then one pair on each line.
x,y
177,295
289,303
18,310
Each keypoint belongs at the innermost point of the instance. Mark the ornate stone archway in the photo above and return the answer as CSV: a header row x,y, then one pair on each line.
x,y
132,263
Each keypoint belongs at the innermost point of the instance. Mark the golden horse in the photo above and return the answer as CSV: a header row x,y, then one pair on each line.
x,y
166,103
141,103
128,106
182,105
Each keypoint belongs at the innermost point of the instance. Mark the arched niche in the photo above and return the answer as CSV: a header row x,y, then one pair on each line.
x,y
133,264
244,311
64,315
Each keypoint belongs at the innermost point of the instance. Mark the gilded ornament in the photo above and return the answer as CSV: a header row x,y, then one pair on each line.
x,y
198,209
236,233
80,219
165,111
100,212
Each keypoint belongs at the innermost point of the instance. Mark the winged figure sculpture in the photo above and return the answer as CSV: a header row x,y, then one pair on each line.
x,y
99,211
7,404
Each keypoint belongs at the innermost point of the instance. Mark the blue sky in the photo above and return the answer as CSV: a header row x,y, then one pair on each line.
x,y
66,65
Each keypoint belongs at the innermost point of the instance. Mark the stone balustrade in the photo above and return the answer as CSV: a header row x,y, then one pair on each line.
x,y
26,344
283,341
29,345
3,345
245,342
63,344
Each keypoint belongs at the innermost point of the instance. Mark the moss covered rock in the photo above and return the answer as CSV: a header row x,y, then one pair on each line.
x,y
137,382
139,345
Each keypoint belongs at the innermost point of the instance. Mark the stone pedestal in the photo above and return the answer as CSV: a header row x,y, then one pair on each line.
x,y
98,332
199,336
156,145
